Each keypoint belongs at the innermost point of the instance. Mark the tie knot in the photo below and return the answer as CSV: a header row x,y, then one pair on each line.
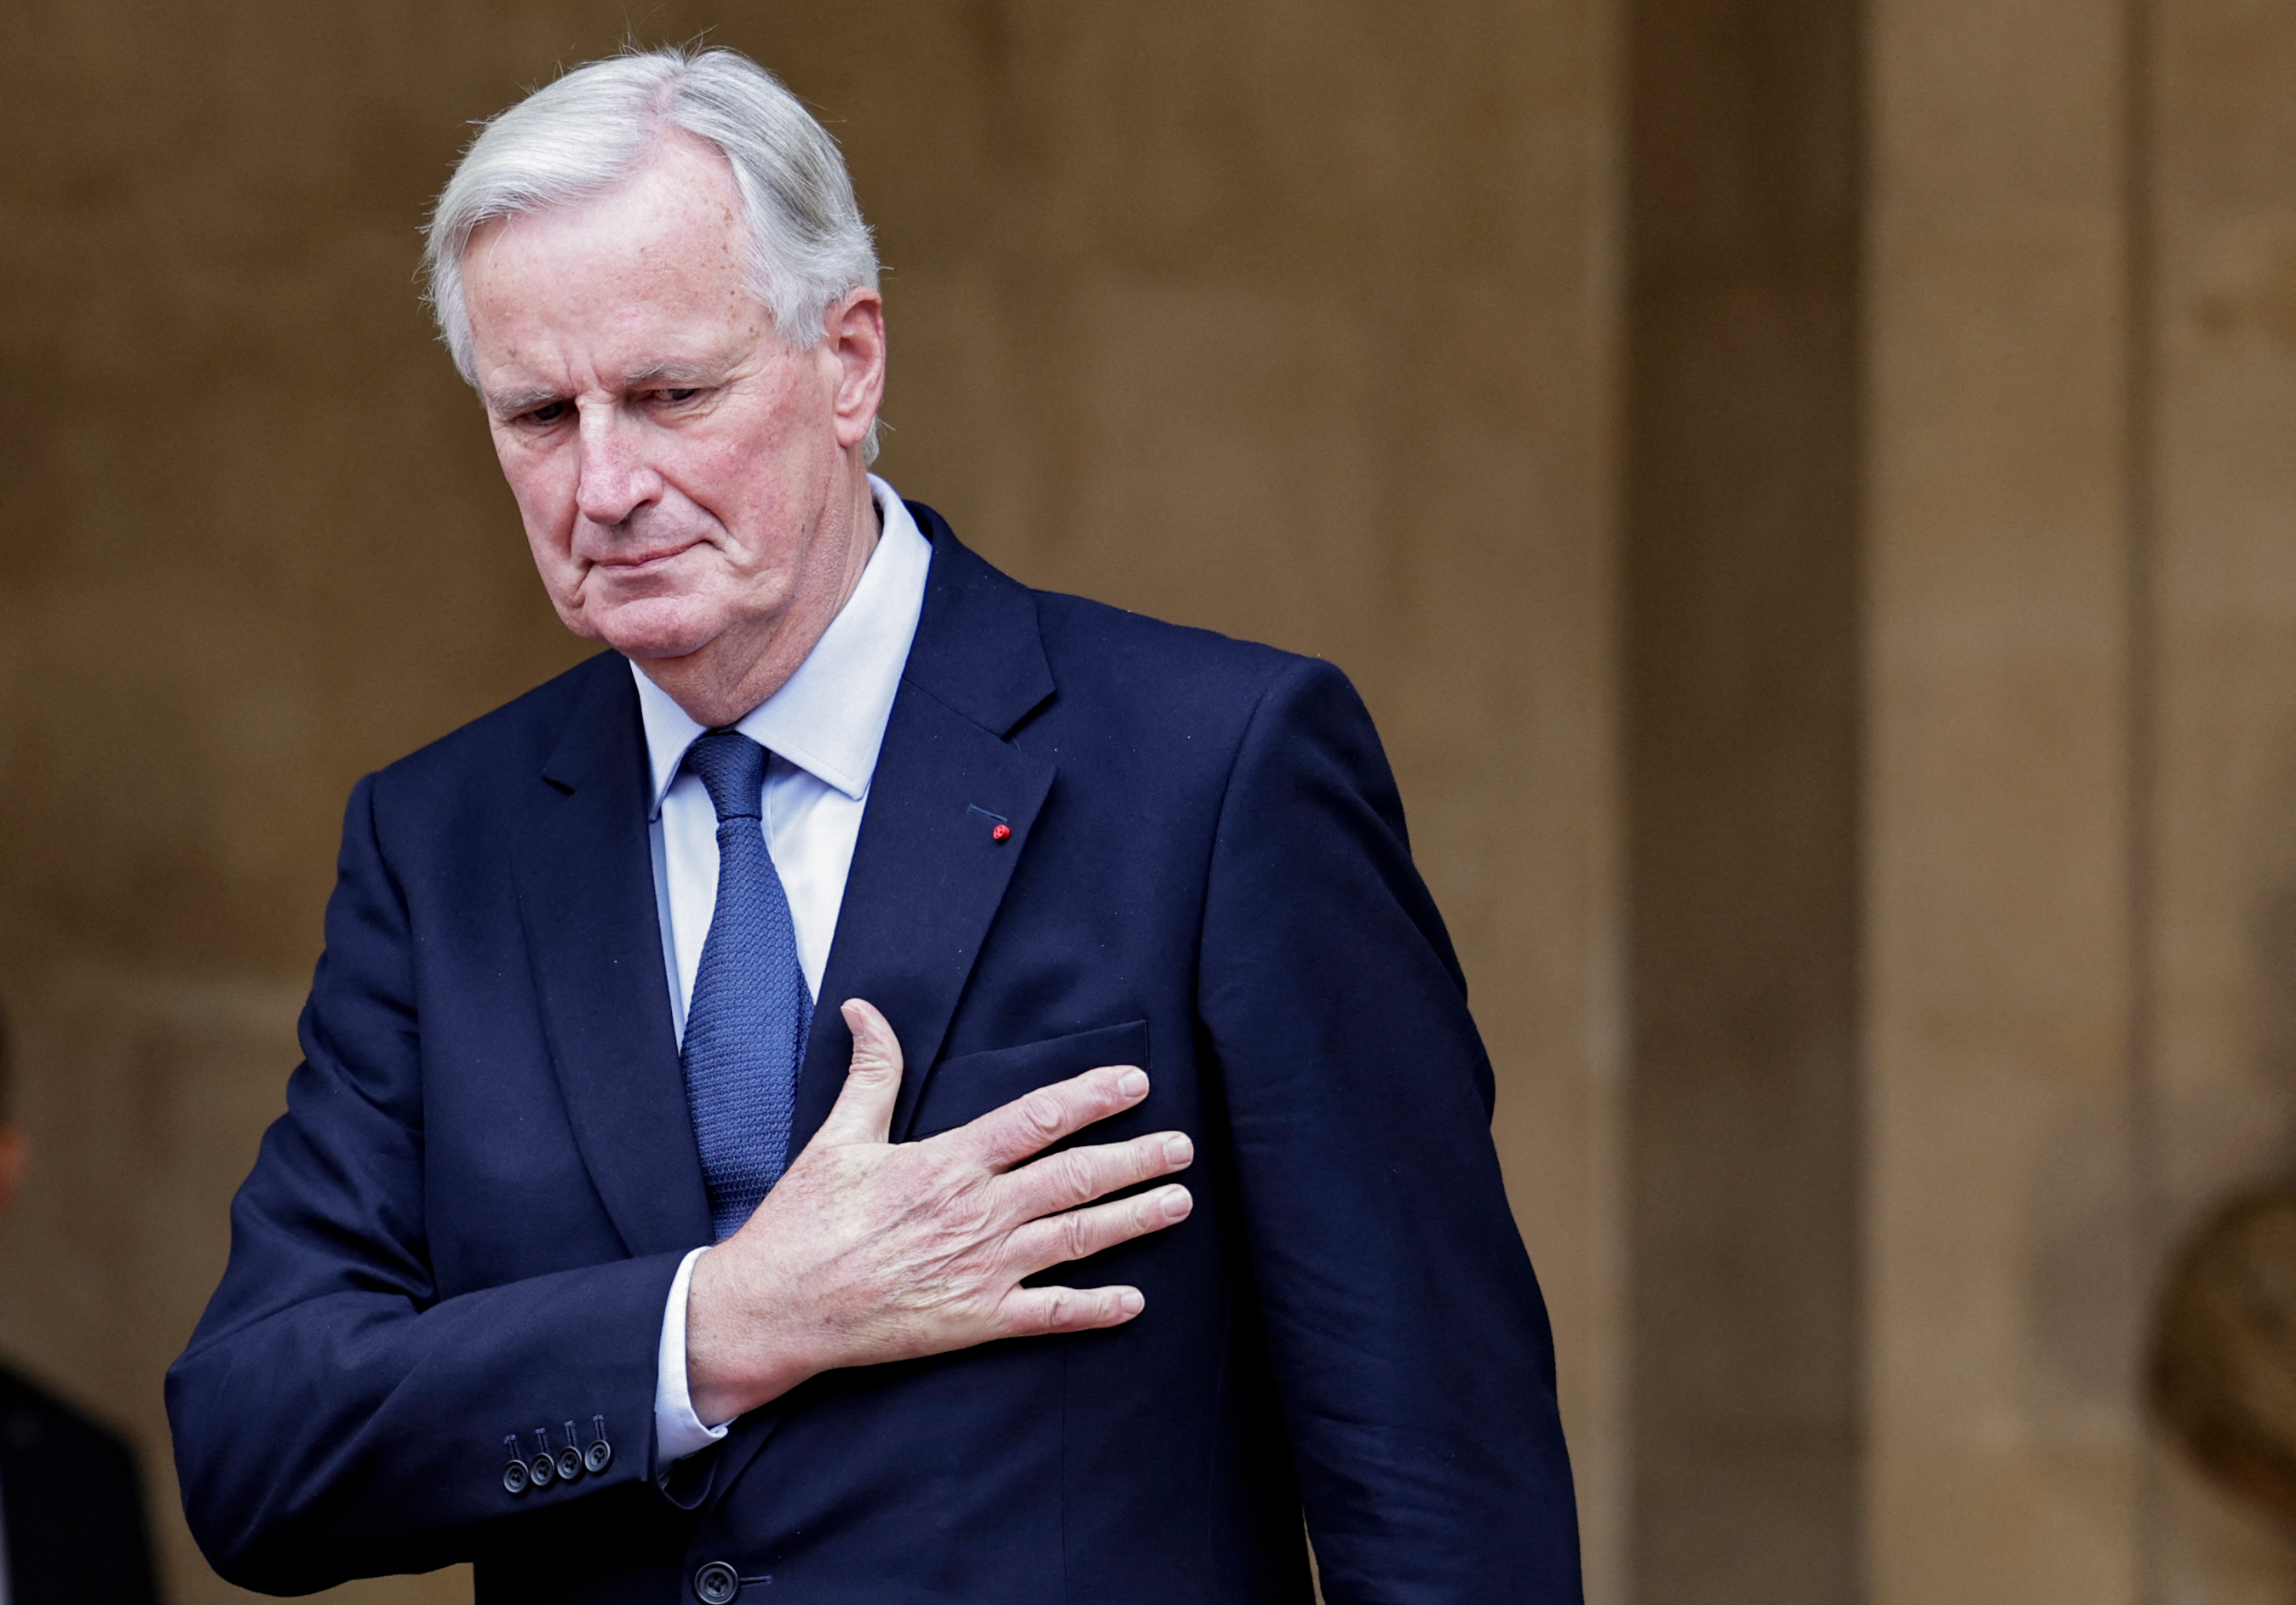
x,y
733,767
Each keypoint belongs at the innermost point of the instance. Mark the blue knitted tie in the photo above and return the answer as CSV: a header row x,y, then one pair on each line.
x,y
747,1023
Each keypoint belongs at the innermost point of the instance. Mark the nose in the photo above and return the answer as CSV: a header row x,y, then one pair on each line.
x,y
616,479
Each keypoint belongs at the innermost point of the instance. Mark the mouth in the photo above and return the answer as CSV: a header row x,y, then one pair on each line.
x,y
637,565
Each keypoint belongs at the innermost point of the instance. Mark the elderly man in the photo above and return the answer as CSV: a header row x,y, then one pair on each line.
x,y
590,1250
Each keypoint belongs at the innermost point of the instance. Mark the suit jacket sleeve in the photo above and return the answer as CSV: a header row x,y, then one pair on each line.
x,y
1404,1327
333,1415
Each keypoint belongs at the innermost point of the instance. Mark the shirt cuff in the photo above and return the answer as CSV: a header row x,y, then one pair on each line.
x,y
678,1431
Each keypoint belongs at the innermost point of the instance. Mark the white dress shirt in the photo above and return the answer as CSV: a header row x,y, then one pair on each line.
x,y
822,730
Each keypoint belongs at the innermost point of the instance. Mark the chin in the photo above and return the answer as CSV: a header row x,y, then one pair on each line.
x,y
658,627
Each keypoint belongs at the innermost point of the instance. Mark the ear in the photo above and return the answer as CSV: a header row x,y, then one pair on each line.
x,y
15,1154
853,336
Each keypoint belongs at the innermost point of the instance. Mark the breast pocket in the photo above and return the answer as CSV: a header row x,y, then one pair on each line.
x,y
968,1086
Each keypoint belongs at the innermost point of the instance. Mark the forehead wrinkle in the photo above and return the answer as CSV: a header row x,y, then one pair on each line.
x,y
676,371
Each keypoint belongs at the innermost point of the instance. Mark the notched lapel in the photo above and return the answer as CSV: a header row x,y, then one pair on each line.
x,y
585,875
928,870
927,879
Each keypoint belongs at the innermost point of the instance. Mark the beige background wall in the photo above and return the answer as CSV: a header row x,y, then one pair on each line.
x,y
1807,488
2080,506
1739,730
2006,1254
2223,599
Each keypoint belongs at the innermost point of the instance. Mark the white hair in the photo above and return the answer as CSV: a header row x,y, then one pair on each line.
x,y
577,138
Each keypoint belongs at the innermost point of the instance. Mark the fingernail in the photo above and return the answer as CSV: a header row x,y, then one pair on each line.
x,y
1178,1151
1130,1302
1132,1083
1176,1203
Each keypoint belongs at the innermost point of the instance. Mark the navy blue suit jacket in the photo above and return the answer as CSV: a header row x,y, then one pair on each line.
x,y
466,1223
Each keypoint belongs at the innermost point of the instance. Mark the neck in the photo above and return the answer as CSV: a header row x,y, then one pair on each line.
x,y
719,685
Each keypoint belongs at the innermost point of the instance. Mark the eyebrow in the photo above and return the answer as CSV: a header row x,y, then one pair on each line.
x,y
675,374
678,375
510,403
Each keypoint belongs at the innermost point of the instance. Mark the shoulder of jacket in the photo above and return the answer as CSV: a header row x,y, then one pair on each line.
x,y
510,742
1094,639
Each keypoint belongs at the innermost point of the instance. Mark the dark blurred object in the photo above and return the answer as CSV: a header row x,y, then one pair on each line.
x,y
72,1504
2223,1348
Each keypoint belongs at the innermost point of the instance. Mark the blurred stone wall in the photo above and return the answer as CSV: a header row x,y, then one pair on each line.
x,y
2080,626
2008,1252
2218,413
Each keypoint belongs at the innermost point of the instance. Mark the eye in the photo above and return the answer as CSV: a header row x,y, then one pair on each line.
x,y
549,411
681,394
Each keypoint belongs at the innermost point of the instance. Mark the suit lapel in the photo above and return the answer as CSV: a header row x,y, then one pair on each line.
x,y
584,866
926,881
929,871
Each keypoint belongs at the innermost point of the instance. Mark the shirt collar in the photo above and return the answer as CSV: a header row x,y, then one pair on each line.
x,y
829,717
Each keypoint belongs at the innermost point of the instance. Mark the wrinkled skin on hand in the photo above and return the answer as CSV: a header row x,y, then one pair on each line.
x,y
867,1251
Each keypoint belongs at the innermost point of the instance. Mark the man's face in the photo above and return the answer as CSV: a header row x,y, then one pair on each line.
x,y
684,477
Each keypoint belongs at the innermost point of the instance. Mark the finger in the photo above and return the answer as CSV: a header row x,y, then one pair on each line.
x,y
1063,1181
1030,1124
1081,1233
1040,1312
863,1109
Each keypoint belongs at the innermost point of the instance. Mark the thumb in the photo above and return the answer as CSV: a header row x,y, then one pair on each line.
x,y
864,1110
